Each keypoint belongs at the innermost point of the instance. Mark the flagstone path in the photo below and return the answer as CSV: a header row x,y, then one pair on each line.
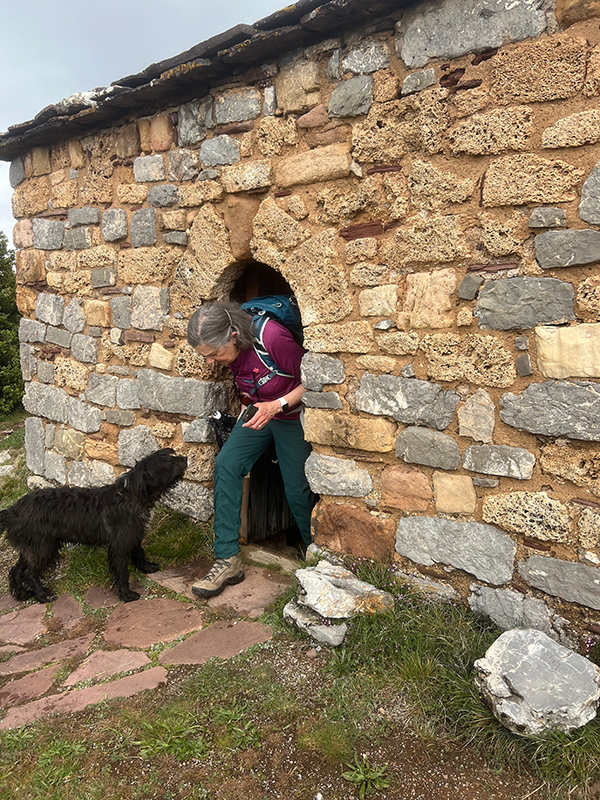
x,y
47,650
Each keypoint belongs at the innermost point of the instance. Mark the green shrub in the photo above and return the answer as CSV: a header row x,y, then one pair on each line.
x,y
11,382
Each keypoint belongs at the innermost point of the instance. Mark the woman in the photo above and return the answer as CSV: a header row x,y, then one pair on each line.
x,y
224,333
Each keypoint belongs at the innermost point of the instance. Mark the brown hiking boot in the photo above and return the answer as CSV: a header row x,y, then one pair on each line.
x,y
224,572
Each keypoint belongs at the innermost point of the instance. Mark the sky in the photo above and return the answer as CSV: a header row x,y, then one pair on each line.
x,y
52,49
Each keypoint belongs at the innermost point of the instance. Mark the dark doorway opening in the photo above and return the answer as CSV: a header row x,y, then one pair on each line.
x,y
266,516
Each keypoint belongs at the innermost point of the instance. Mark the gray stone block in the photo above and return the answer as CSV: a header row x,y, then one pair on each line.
x,y
555,408
508,609
45,371
118,369
147,169
408,371
570,248
48,234
208,174
384,325
46,401
220,150
522,343
200,430
480,550
49,308
35,482
150,305
337,476
84,348
164,195
102,389
124,419
270,103
486,483
180,395
16,172
335,592
317,370
127,394
83,417
73,317
500,459
418,81
95,331
135,444
176,237
408,400
524,303
192,499
308,621
322,400
79,474
237,107
31,331
58,336
333,70
67,442
589,207
352,97
367,57
35,451
73,174
469,286
576,583
523,365
56,468
78,239
105,276
547,217
114,225
28,361
143,227
452,28
192,122
101,473
87,215
183,165
430,448
121,312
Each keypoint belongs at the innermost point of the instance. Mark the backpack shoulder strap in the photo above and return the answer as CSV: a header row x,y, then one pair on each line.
x,y
260,321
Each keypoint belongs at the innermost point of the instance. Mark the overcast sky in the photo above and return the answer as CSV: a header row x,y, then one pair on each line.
x,y
51,49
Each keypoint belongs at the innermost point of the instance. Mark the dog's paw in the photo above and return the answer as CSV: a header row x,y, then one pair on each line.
x,y
149,566
127,595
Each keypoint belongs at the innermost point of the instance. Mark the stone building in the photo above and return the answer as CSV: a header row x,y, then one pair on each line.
x,y
423,177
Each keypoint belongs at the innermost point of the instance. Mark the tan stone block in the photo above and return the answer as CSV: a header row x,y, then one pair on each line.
x,y
349,529
40,161
568,352
65,194
454,494
59,260
144,129
55,280
76,155
568,12
131,193
30,266
367,274
274,133
97,312
435,240
343,430
530,513
360,250
78,283
506,237
430,188
429,300
321,164
164,430
588,299
239,219
26,301
473,358
382,196
102,451
59,156
127,144
477,417
378,302
246,141
492,133
199,192
314,118
349,337
162,133
463,104
31,197
591,87
589,528
524,178
377,363
578,463
69,442
244,177
98,257
464,318
160,357
96,190
174,220
297,207
574,131
406,488
538,71
201,461
58,176
147,264
334,133
386,86
399,343
23,234
275,233
297,87
68,372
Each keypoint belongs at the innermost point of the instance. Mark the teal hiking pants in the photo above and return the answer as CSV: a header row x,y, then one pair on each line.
x,y
240,452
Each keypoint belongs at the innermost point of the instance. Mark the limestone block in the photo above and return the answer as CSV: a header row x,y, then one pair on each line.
x,y
143,227
193,120
569,352
219,150
83,417
96,312
342,430
179,395
244,177
399,343
135,444
352,97
416,81
274,133
435,240
69,443
322,400
308,621
84,348
30,266
200,192
429,300
200,430
589,206
349,337
147,169
429,448
333,591
147,264
360,250
476,418
473,358
16,174
160,358
524,303
508,609
28,361
58,336
541,217
237,105
317,370
320,164
530,513
526,178
127,394
572,463
47,234
150,307
35,452
378,302
337,476
102,390
494,132
568,248
127,144
49,308
239,217
55,468
431,188
497,459
23,234
31,331
480,550
183,165
454,494
297,87
406,488
367,56
192,499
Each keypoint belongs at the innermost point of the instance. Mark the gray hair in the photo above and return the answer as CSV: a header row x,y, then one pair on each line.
x,y
213,324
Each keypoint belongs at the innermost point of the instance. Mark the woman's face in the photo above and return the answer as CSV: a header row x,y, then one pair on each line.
x,y
221,355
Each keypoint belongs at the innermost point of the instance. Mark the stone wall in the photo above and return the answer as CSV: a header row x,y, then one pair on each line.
x,y
430,190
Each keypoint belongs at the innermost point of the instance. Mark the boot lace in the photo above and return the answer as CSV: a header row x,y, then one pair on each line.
x,y
216,569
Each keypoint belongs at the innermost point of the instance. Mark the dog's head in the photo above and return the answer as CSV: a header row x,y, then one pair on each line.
x,y
156,474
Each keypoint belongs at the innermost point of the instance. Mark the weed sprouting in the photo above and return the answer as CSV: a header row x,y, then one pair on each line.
x,y
367,778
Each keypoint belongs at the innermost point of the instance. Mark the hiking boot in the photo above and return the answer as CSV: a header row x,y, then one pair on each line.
x,y
224,572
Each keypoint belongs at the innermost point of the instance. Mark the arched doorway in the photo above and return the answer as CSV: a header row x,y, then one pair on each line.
x,y
257,280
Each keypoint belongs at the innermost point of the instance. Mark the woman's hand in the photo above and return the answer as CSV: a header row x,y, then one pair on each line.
x,y
264,413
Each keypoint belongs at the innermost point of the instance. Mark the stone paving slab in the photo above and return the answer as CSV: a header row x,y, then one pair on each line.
x,y
24,626
96,597
219,640
68,611
5,649
103,664
142,624
77,700
25,662
8,603
24,689
268,558
179,579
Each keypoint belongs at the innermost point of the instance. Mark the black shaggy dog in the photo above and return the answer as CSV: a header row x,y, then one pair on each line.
x,y
115,516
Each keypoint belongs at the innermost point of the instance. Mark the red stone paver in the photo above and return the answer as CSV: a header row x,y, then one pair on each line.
x,y
180,579
259,589
10,648
220,640
143,624
24,626
77,700
103,664
27,688
68,611
97,597
25,662
8,603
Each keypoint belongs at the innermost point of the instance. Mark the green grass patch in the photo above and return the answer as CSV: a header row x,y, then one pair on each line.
x,y
174,538
334,740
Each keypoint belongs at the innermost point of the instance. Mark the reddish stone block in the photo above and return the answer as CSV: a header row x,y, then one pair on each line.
x,y
22,627
147,622
27,688
103,664
353,530
220,640
25,662
405,487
